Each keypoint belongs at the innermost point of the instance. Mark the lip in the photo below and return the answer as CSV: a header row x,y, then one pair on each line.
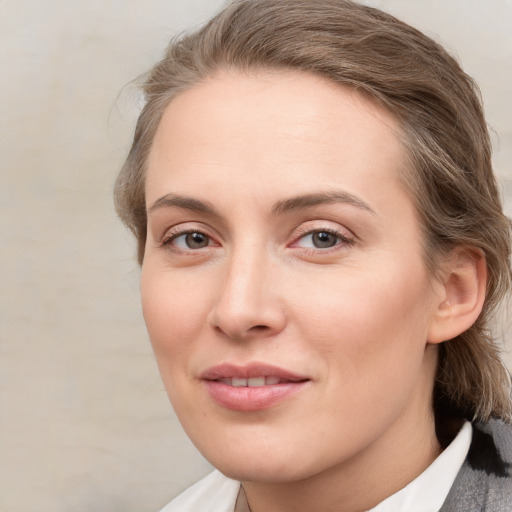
x,y
248,399
228,370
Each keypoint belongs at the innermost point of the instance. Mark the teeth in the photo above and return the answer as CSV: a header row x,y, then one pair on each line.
x,y
252,382
255,382
238,383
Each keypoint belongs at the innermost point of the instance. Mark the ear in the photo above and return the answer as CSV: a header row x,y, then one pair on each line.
x,y
463,288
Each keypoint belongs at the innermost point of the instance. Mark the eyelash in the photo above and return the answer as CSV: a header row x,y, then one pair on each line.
x,y
170,237
343,239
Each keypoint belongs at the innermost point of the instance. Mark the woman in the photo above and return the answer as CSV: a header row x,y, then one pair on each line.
x,y
322,247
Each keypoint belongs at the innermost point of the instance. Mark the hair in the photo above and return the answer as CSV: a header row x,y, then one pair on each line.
x,y
443,131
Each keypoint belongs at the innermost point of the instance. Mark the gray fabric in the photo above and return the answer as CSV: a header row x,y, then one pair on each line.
x,y
484,483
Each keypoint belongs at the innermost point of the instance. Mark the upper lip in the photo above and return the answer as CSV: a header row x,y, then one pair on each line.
x,y
247,371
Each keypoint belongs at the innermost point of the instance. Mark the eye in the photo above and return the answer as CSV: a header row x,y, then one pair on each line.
x,y
322,239
190,240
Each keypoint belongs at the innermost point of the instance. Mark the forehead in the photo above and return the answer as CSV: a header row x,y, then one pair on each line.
x,y
268,128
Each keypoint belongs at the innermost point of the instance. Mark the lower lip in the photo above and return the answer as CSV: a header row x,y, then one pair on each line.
x,y
252,398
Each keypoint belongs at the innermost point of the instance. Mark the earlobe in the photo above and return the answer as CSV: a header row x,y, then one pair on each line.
x,y
464,287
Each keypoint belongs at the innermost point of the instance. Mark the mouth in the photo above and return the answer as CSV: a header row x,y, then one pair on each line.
x,y
251,387
252,382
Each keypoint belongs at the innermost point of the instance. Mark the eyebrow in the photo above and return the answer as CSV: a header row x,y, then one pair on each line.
x,y
319,198
293,203
185,202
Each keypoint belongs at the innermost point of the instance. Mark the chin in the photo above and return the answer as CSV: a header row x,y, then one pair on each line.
x,y
265,471
265,462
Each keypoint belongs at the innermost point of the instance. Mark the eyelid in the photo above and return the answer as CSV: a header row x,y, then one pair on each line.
x,y
185,228
345,235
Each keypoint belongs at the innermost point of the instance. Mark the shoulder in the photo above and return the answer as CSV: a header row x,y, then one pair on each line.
x,y
213,493
491,449
485,480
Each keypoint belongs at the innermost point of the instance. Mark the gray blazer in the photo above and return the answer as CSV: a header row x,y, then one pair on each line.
x,y
484,483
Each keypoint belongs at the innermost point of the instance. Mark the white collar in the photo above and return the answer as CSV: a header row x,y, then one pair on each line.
x,y
419,495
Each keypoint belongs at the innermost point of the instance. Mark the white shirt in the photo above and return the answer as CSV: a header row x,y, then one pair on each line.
x,y
217,493
427,492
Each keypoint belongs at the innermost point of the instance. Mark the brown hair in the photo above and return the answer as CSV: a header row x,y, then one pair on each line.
x,y
443,129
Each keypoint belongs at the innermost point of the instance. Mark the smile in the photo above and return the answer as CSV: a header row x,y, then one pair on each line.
x,y
252,387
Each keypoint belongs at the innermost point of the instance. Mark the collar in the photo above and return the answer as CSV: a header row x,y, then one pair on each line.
x,y
417,496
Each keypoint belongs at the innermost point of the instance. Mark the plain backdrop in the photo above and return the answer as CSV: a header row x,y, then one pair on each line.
x,y
84,421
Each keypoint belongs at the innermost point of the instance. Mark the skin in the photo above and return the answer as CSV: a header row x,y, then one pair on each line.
x,y
358,318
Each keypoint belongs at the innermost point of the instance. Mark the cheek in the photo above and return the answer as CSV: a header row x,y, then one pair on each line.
x,y
369,336
174,320
173,317
368,321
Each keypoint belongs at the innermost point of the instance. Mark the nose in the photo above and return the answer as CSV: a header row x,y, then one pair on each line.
x,y
247,304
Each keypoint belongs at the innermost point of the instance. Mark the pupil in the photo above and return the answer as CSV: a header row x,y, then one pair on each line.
x,y
323,239
196,240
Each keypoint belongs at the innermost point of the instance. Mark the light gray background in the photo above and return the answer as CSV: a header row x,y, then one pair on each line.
x,y
84,420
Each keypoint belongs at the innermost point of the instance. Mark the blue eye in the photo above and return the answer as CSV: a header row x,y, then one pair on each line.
x,y
190,240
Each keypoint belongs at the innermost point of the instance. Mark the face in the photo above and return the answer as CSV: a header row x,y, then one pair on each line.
x,y
283,284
